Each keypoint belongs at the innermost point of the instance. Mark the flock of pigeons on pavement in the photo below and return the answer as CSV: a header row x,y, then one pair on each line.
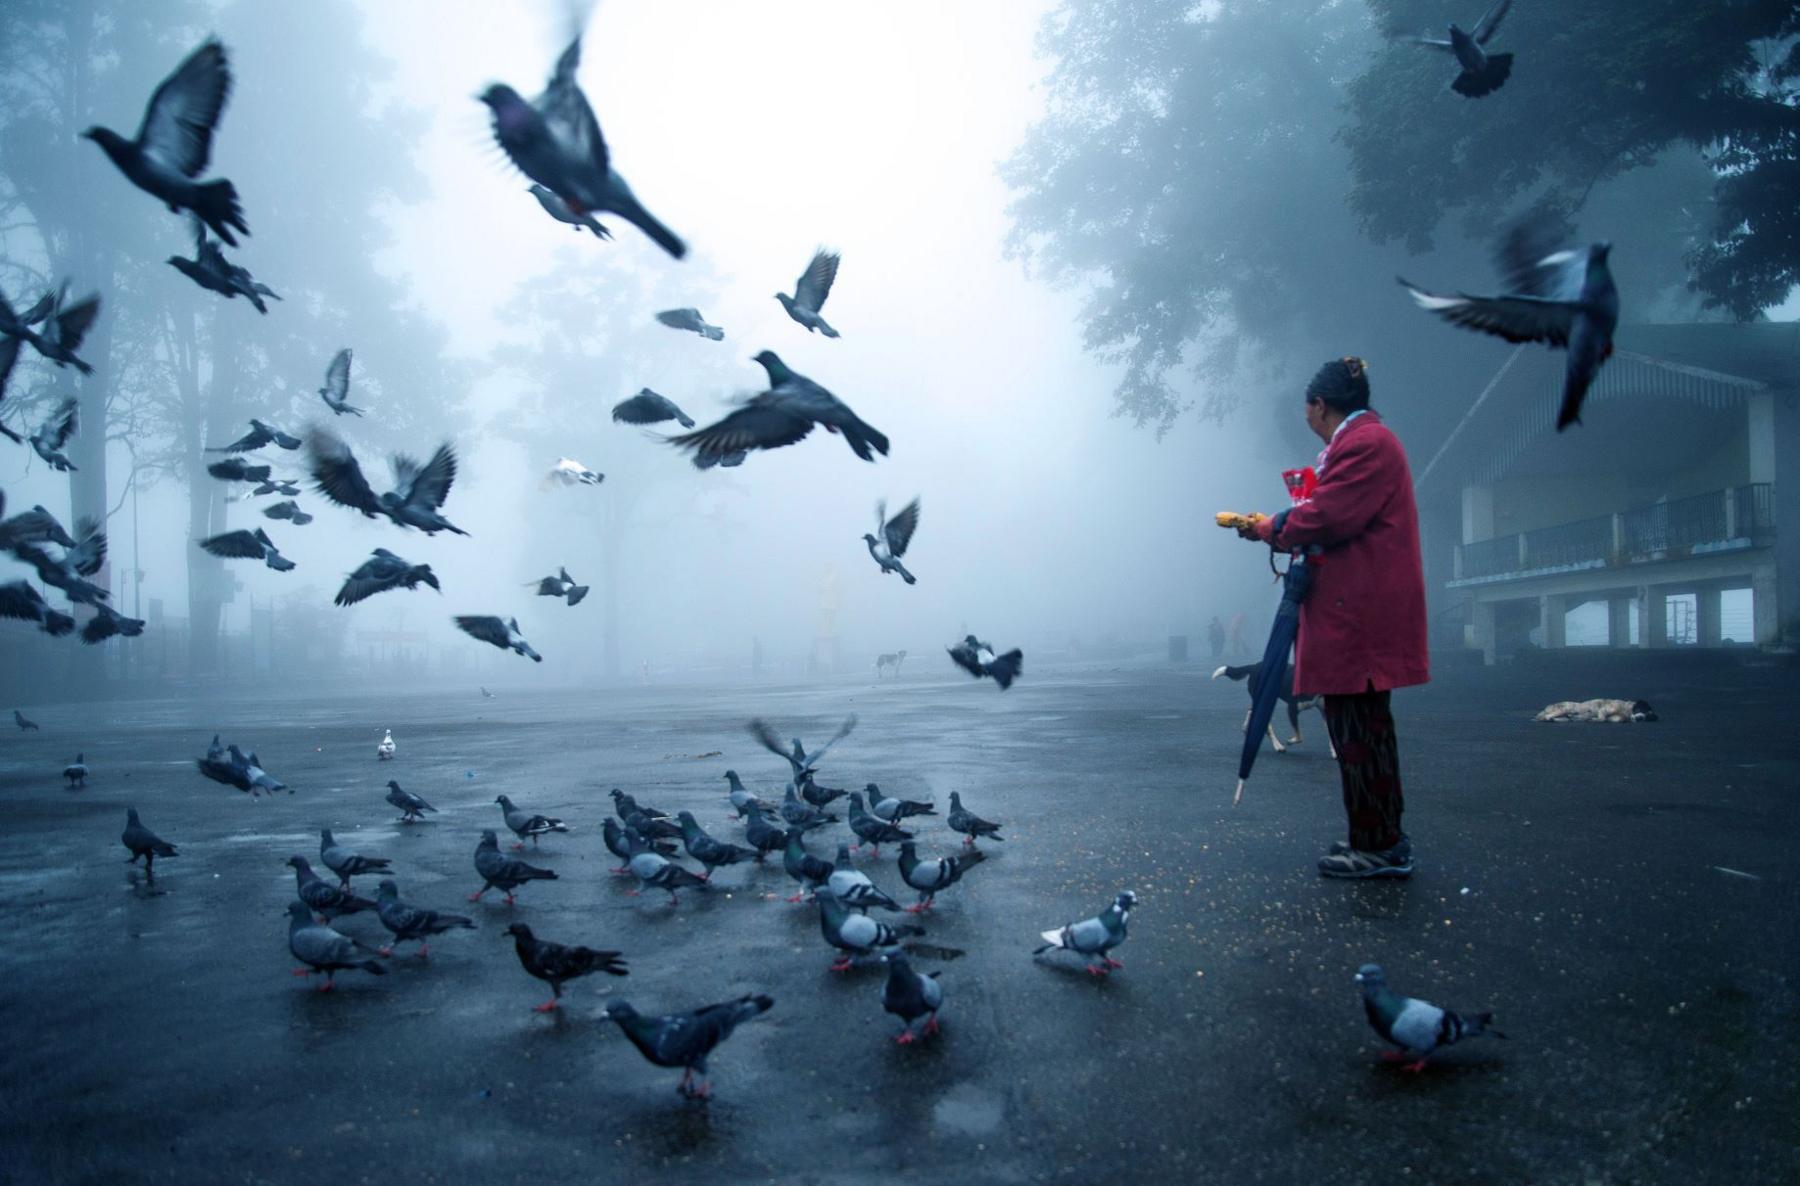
x,y
1561,297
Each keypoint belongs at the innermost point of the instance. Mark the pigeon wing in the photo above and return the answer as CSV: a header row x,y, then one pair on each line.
x,y
63,424
1416,1025
73,323
763,423
19,600
688,319
899,529
1514,318
256,438
240,545
565,109
646,407
1490,21
87,556
815,283
428,485
335,471
844,729
1533,259
337,377
487,629
178,124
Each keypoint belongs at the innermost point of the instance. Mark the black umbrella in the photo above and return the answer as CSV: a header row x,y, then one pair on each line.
x,y
1295,584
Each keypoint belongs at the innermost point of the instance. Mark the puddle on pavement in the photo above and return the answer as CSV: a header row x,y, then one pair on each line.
x,y
969,1111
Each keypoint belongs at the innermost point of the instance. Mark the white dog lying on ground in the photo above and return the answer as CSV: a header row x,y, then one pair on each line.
x,y
1611,711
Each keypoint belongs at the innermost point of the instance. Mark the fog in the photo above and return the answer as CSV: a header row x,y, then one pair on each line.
x,y
389,222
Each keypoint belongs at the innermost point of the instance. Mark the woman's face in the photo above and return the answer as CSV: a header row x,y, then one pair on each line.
x,y
1315,419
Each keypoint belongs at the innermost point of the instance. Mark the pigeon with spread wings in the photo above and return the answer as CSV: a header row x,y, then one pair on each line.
x,y
503,633
419,490
782,415
810,292
1482,73
896,534
247,545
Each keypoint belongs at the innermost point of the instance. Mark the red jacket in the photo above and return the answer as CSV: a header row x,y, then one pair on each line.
x,y
1363,624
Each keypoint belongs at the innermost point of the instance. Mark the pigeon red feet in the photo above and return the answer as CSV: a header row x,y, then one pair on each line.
x,y
796,898
301,972
328,985
842,965
931,1025
673,900
476,896
619,870
518,847
904,1038
388,951
1098,970
1112,963
549,1006
968,842
424,951
1414,1067
510,900
917,908
1392,1056
633,893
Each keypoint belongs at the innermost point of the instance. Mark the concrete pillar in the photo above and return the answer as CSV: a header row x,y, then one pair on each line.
x,y
1477,513
1618,621
1553,618
1760,412
1765,621
1481,630
1653,621
1706,608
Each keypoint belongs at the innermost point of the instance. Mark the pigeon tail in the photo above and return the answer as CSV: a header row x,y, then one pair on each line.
x,y
1486,82
647,222
216,203
1005,668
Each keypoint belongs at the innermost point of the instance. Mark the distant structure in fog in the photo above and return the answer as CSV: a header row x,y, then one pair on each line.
x,y
1668,521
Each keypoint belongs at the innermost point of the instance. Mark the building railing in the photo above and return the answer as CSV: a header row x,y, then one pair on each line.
x,y
1662,531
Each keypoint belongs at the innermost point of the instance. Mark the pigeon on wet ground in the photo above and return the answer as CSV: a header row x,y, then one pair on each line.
x,y
870,830
709,851
686,1039
76,772
1094,937
971,826
233,767
385,748
25,724
979,660
419,490
383,571
174,142
818,794
856,935
690,320
1417,1028
345,863
647,407
653,827
327,900
501,872
803,815
808,871
894,810
612,833
655,871
412,807
247,545
853,887
502,633
527,824
892,538
322,949
626,807
412,922
810,292
557,963
910,995
764,836
933,876
780,416
142,842
741,799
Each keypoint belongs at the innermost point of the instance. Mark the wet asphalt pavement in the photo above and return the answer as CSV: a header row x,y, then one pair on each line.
x,y
1572,878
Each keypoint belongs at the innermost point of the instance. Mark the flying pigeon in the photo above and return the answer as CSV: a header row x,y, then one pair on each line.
x,y
741,799
64,326
25,724
501,872
20,600
896,533
412,808
690,320
810,292
384,749
909,996
212,271
524,823
248,545
555,141
686,1039
808,871
655,871
76,772
979,659
108,623
856,935
347,864
561,585
894,810
282,486
486,695
36,526
142,842
69,571
932,877
1560,296
871,830
383,571
419,490
327,900
764,836
290,510
557,963
853,887
322,949
722,460
236,469
260,434
48,441
1416,1027
1482,73
1094,937
711,852
647,407
803,815
336,391
14,332
175,140
570,472
782,415
971,826
412,922
558,209
802,763
626,806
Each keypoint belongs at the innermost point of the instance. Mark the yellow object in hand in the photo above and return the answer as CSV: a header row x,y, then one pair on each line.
x,y
1236,521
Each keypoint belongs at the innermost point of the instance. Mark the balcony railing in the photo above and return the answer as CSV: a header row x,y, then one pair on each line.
x,y
1666,530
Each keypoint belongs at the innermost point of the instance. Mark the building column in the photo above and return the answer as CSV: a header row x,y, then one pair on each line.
x,y
1653,618
1765,621
1706,608
1477,513
1481,630
1553,620
1618,621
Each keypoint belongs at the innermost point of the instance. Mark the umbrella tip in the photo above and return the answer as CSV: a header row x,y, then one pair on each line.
x,y
1240,793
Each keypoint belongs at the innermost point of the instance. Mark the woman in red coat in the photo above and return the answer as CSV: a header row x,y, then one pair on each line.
x,y
1362,627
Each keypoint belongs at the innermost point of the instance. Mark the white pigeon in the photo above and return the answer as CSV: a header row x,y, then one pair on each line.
x,y
569,472
385,750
